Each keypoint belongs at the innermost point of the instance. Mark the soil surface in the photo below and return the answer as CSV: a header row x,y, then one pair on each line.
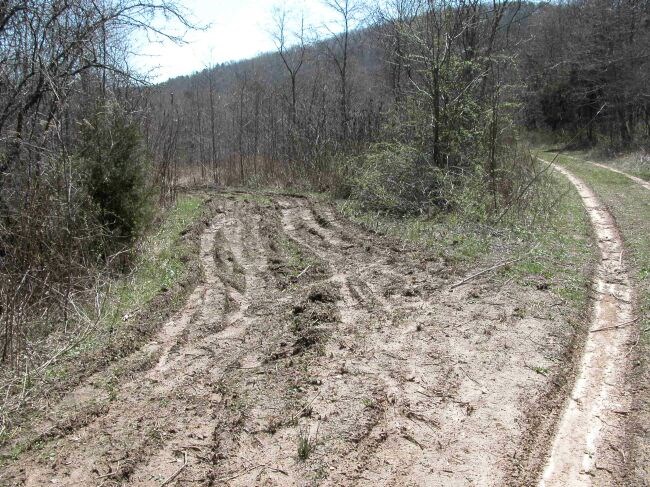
x,y
588,448
316,353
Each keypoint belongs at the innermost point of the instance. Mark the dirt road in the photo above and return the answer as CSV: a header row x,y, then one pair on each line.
x,y
316,353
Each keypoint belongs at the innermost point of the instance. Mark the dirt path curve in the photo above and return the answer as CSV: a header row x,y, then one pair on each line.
x,y
587,441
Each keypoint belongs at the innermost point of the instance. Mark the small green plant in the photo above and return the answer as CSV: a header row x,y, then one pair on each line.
x,y
368,402
540,370
305,444
519,312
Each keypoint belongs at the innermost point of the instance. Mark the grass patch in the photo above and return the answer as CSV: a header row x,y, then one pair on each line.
x,y
161,264
161,260
630,204
306,444
565,252
296,261
634,163
450,239
562,249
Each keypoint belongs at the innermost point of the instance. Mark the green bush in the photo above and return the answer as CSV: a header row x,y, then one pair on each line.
x,y
117,175
393,178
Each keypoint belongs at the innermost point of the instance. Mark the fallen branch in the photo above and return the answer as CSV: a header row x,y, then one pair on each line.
x,y
485,271
478,274
303,271
177,472
622,325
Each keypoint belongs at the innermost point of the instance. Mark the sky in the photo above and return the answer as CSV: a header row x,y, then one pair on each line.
x,y
237,29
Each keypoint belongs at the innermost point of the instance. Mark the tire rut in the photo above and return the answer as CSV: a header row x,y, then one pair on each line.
x,y
170,408
392,416
587,432
390,380
636,179
228,348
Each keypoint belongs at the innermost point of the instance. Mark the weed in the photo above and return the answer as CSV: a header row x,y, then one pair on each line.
x,y
368,402
273,425
296,260
540,370
519,313
305,444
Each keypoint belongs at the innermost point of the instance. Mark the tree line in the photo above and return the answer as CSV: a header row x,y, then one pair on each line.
x,y
437,70
74,191
586,68
407,106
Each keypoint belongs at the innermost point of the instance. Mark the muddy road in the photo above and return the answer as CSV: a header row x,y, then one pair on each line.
x,y
313,352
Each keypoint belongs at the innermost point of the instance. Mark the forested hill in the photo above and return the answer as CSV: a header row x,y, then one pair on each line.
x,y
579,68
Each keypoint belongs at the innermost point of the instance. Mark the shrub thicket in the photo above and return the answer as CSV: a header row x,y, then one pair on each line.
x,y
91,202
117,171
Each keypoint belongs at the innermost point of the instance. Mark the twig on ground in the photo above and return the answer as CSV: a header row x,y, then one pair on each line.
x,y
305,406
303,271
485,271
496,266
621,325
473,379
177,472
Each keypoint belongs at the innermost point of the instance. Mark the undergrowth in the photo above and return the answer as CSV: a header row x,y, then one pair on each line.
x,y
549,241
161,261
107,325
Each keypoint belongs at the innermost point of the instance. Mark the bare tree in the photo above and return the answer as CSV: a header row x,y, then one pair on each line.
x,y
60,63
291,48
338,47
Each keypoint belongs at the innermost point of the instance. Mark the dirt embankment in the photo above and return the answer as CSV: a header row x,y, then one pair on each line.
x,y
313,352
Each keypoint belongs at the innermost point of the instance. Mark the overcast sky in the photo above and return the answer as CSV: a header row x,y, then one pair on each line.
x,y
239,29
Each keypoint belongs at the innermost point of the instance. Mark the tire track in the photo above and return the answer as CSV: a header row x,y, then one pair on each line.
x,y
586,430
390,381
169,410
636,179
332,248
227,348
206,294
142,409
381,363
86,407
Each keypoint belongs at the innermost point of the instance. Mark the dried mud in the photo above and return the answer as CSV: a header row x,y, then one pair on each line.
x,y
313,352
